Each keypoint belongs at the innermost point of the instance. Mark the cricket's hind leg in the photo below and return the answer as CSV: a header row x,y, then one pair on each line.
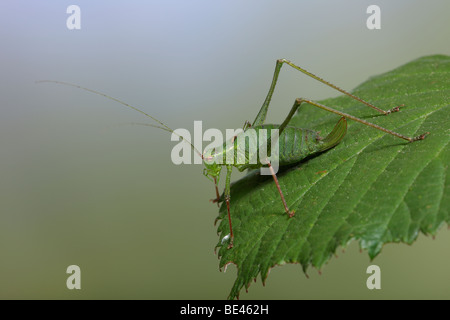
x,y
261,117
299,101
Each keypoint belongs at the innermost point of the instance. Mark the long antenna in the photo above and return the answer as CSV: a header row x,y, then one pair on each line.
x,y
163,126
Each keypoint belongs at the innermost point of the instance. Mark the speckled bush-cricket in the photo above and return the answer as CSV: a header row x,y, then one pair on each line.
x,y
294,144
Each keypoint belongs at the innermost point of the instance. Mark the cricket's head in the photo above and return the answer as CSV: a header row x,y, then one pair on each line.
x,y
212,164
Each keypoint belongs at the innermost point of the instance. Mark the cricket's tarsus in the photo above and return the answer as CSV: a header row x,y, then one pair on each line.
x,y
421,137
288,151
395,109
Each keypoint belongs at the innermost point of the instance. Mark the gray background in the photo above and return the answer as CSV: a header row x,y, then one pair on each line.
x,y
80,186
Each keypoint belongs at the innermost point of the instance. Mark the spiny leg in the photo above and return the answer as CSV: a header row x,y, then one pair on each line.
x,y
260,118
217,199
299,101
290,213
395,109
227,200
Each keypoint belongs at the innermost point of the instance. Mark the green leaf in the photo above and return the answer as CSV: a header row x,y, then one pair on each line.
x,y
372,187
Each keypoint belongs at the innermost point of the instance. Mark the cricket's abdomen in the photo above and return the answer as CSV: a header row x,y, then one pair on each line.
x,y
295,144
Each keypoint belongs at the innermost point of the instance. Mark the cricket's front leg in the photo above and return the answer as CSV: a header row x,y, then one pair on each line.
x,y
227,200
217,199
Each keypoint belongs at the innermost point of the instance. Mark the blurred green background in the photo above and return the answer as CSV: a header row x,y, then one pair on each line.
x,y
80,186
